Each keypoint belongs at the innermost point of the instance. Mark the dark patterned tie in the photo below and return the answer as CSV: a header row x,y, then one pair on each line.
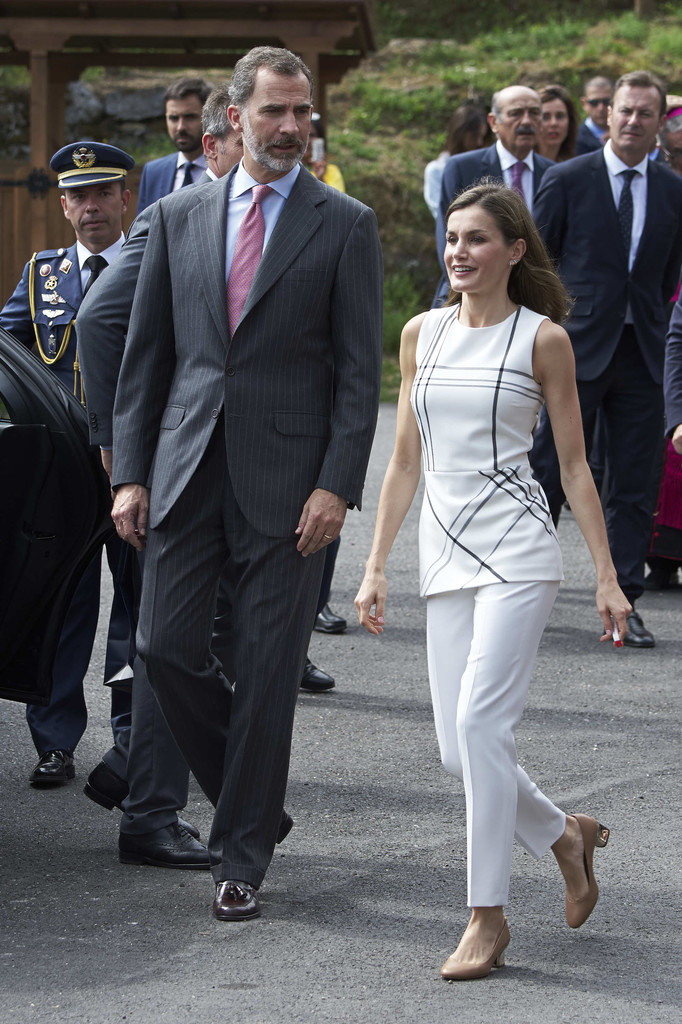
x,y
188,179
95,264
517,178
625,209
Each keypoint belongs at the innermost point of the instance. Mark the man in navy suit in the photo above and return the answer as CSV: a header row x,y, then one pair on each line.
x,y
594,129
514,118
184,101
613,222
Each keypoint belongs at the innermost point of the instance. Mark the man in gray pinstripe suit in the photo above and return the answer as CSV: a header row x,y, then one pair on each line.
x,y
240,452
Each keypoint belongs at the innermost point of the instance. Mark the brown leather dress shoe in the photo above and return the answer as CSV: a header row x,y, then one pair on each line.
x,y
54,768
235,901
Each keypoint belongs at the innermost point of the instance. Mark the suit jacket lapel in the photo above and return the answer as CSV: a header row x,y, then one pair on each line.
x,y
491,162
207,224
298,220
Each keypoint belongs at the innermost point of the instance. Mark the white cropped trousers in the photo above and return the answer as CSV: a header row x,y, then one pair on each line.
x,y
482,644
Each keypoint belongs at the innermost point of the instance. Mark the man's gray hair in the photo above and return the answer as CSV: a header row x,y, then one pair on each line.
x,y
672,124
277,59
214,113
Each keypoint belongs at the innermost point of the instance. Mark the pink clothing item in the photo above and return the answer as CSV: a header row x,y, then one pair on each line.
x,y
247,254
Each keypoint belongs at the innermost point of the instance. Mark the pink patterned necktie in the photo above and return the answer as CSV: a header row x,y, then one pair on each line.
x,y
517,178
247,254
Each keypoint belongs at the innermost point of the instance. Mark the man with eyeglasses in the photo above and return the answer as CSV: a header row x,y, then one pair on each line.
x,y
593,132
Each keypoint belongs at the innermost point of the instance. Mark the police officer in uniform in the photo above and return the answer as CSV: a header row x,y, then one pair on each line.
x,y
41,314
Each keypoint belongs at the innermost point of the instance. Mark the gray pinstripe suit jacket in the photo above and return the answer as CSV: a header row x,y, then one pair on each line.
x,y
298,381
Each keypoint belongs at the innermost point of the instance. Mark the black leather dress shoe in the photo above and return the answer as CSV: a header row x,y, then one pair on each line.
x,y
54,768
109,790
327,622
315,679
169,847
285,827
637,635
235,901
105,787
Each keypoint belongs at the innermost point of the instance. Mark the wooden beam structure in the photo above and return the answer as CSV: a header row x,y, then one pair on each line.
x,y
58,39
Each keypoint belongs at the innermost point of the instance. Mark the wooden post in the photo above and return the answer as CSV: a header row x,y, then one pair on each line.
x,y
40,144
645,9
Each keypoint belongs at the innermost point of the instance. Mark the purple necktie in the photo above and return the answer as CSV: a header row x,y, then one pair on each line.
x,y
517,178
247,254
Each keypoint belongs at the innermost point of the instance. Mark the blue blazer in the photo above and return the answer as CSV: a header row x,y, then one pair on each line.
x,y
57,294
157,180
462,171
577,218
586,141
672,380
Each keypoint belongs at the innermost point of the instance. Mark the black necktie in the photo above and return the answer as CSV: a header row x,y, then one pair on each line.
x,y
95,264
625,209
188,180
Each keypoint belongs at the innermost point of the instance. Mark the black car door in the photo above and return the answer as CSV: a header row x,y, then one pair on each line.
x,y
54,515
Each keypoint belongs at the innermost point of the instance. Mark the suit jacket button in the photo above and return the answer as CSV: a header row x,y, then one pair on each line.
x,y
231,371
215,413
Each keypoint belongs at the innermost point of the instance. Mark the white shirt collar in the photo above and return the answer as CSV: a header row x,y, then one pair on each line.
x,y
615,165
109,254
197,161
243,181
508,159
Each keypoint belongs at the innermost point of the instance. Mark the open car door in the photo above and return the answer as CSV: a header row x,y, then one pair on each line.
x,y
54,515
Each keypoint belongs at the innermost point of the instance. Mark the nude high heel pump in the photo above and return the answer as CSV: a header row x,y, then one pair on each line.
x,y
453,970
594,835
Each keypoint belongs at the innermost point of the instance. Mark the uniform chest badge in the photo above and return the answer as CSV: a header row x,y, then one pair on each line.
x,y
53,299
65,266
45,270
51,283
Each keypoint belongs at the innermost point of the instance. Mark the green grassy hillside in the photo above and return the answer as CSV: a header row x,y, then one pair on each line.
x,y
388,117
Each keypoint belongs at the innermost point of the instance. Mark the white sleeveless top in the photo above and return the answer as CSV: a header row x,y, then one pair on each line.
x,y
484,518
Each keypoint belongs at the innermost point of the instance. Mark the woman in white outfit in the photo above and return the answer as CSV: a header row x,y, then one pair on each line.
x,y
474,377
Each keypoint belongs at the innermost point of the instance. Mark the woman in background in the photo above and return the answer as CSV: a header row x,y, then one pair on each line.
x,y
317,164
467,130
559,126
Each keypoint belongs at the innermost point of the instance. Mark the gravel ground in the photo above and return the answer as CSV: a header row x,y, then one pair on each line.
x,y
366,897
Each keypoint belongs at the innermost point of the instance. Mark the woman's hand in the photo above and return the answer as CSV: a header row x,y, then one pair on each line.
x,y
612,604
372,595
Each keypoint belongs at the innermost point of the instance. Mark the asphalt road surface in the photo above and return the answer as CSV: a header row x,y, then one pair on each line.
x,y
366,898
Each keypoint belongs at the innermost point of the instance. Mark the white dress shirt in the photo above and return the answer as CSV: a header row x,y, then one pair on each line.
x,y
614,165
240,200
109,255
507,161
198,169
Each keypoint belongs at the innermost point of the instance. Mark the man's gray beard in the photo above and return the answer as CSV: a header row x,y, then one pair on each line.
x,y
263,156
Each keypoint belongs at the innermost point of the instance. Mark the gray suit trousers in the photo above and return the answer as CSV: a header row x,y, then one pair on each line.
x,y
147,755
238,743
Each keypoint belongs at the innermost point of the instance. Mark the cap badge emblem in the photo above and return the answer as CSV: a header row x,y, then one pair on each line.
x,y
83,158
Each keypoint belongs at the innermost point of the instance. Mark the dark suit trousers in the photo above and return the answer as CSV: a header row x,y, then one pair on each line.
x,y
148,756
60,725
632,410
237,746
